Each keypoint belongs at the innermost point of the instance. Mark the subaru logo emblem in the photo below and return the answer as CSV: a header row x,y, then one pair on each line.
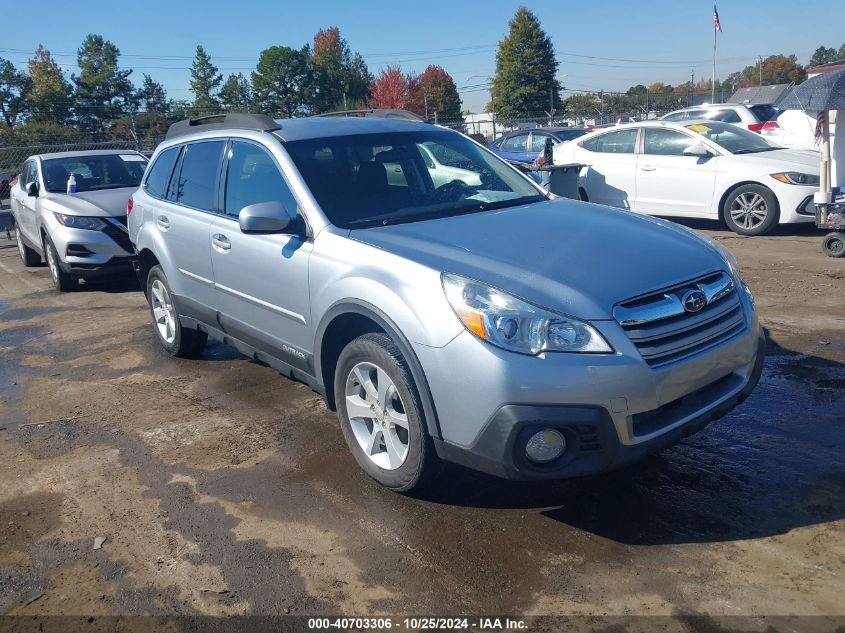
x,y
694,300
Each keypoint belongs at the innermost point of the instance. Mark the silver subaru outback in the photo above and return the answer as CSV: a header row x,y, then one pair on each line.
x,y
445,307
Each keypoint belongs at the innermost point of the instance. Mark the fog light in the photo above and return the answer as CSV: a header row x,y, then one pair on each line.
x,y
545,446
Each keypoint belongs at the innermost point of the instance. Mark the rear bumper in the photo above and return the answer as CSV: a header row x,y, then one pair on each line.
x,y
593,443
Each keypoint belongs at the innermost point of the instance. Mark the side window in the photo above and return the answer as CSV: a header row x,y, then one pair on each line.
x,y
728,116
538,142
159,176
616,142
253,177
662,142
514,143
197,182
32,173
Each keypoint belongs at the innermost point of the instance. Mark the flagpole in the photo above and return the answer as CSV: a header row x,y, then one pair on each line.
x,y
713,82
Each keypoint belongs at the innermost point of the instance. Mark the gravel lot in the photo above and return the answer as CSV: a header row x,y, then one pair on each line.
x,y
223,488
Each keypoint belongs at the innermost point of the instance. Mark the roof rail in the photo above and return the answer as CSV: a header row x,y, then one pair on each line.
x,y
377,113
240,120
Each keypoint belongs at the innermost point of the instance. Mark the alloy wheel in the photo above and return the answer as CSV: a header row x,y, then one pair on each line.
x,y
377,415
749,210
163,312
52,263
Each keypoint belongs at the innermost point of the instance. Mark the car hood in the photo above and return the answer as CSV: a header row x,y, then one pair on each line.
x,y
784,159
571,257
105,203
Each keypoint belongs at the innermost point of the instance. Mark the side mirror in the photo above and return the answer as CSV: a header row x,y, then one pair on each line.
x,y
696,150
264,217
548,152
32,189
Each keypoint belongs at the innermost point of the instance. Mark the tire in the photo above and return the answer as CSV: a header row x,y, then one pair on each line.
x,y
29,257
378,443
833,244
751,210
62,281
174,338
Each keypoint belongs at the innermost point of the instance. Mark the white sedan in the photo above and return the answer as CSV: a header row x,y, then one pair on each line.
x,y
695,169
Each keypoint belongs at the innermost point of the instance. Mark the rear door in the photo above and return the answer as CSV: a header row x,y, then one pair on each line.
x,y
669,183
515,148
611,176
262,280
183,220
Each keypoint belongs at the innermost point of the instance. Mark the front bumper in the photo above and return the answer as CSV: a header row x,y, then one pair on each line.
x,y
612,409
86,253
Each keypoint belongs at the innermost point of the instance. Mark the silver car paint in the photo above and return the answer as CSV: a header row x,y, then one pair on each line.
x,y
571,257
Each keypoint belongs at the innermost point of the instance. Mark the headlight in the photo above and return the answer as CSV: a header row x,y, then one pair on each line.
x,y
80,222
795,178
515,325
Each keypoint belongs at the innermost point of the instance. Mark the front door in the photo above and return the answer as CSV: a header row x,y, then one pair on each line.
x,y
262,280
669,183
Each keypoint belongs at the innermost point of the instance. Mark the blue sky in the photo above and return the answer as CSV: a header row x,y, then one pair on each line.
x,y
667,38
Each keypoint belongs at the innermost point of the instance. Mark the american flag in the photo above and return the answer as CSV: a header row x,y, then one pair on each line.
x,y
716,24
820,119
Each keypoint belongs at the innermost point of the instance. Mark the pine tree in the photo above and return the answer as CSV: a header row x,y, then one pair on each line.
x,y
103,91
205,80
236,93
525,82
152,96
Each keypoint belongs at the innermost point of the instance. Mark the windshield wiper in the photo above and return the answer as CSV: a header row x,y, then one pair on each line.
x,y
756,150
398,218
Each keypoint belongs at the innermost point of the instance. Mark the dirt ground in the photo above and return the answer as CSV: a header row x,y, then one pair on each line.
x,y
222,488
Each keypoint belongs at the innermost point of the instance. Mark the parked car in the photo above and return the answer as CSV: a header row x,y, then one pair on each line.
x,y
83,234
481,323
699,169
523,146
752,117
795,130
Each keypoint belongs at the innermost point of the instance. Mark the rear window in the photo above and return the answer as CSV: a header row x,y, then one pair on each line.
x,y
685,114
764,112
197,182
616,142
160,172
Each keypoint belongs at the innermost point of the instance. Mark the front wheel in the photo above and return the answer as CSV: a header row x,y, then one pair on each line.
x,y
62,281
751,210
381,415
833,244
174,338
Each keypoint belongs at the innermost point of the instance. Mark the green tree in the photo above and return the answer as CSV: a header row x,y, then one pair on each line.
x,y
525,82
823,56
236,93
205,80
340,78
283,80
152,96
581,107
49,98
103,91
840,53
434,91
13,88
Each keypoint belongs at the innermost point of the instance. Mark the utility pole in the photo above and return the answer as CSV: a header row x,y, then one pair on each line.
x,y
760,64
691,92
425,100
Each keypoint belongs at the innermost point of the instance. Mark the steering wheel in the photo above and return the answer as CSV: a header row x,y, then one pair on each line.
x,y
454,190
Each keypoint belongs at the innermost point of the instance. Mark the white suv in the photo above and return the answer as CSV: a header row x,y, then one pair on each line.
x,y
753,117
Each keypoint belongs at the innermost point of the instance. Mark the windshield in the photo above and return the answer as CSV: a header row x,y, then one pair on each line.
x,y
734,139
94,172
377,179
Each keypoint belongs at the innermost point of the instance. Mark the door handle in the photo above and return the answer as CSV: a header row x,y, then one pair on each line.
x,y
162,222
221,243
648,168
